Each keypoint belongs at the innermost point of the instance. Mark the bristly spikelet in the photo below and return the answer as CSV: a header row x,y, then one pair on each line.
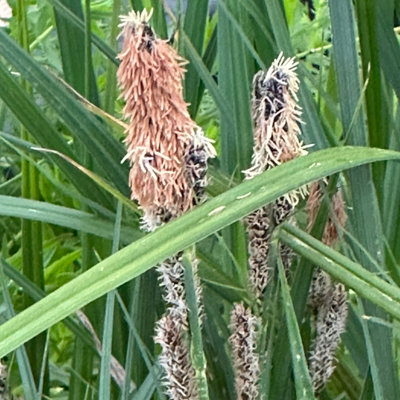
x,y
320,288
276,119
259,236
321,282
245,359
163,143
327,300
197,154
160,128
337,218
179,379
172,280
168,156
330,325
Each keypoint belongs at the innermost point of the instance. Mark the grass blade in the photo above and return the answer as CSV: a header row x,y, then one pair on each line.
x,y
105,363
194,26
72,48
44,133
365,214
63,216
140,256
88,129
196,346
302,378
28,381
342,270
234,82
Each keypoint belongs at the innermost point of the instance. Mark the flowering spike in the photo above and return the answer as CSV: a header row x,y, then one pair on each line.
x,y
245,359
330,325
172,280
258,245
163,143
327,300
179,378
160,129
168,156
321,282
276,119
337,219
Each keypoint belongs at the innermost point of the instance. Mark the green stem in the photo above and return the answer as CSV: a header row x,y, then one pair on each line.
x,y
88,49
32,251
196,349
302,379
105,363
111,81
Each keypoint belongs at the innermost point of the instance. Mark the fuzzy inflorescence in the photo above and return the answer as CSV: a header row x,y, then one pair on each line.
x,y
331,324
179,376
321,282
245,358
160,135
259,235
168,155
338,216
276,117
276,127
326,299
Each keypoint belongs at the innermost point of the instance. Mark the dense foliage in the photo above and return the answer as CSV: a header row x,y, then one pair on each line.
x,y
71,237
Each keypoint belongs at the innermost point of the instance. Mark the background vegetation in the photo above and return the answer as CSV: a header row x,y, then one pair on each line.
x,y
62,222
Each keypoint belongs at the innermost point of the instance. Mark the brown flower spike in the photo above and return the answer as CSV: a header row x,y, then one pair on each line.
x,y
160,129
168,156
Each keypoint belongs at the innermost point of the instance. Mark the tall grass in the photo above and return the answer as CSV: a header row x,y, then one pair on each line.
x,y
70,234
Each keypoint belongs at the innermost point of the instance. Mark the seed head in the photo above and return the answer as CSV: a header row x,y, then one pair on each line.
x,y
276,119
259,236
330,325
245,359
160,128
179,378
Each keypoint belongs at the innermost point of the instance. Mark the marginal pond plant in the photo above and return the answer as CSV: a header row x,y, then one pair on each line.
x,y
187,202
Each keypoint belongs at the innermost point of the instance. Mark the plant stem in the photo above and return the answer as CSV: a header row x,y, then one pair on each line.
x,y
32,251
196,349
